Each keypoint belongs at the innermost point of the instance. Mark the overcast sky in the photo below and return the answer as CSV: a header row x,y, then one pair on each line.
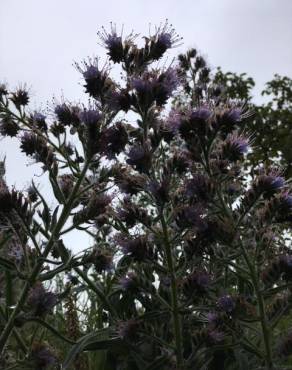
x,y
40,39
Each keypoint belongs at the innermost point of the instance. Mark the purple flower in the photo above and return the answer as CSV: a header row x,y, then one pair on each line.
x,y
140,158
41,301
197,283
213,319
20,97
173,120
117,48
164,38
8,127
270,183
39,117
144,85
286,200
129,282
97,81
128,183
90,117
286,262
226,304
36,146
102,261
67,114
152,86
200,115
63,114
190,217
128,330
231,116
137,248
40,120
91,72
42,356
160,191
113,140
199,187
234,147
195,123
120,100
169,80
215,336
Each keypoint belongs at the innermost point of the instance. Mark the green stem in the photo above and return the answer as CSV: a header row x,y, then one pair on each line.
x,y
37,268
174,297
97,291
262,311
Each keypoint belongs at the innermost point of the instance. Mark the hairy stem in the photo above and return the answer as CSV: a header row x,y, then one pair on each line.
x,y
174,297
262,312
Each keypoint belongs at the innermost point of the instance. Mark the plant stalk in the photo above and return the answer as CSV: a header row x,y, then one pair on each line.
x,y
174,297
36,270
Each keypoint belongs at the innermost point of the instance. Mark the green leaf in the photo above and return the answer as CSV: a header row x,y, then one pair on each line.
x,y
99,340
157,363
8,265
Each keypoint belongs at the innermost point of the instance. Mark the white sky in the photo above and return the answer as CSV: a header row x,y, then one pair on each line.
x,y
39,40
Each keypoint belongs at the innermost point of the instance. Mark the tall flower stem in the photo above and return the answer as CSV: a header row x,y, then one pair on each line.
x,y
37,268
262,312
174,296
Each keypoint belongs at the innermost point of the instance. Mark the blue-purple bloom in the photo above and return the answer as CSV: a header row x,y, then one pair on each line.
x,y
97,81
231,116
41,301
38,117
116,46
199,187
271,182
129,282
67,114
200,115
173,120
140,158
215,336
138,248
90,117
196,283
42,356
169,80
90,72
234,147
226,303
164,38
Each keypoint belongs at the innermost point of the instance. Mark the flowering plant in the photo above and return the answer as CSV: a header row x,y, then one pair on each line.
x,y
190,264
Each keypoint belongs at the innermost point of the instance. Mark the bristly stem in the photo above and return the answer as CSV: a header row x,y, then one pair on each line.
x,y
174,296
262,312
36,270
